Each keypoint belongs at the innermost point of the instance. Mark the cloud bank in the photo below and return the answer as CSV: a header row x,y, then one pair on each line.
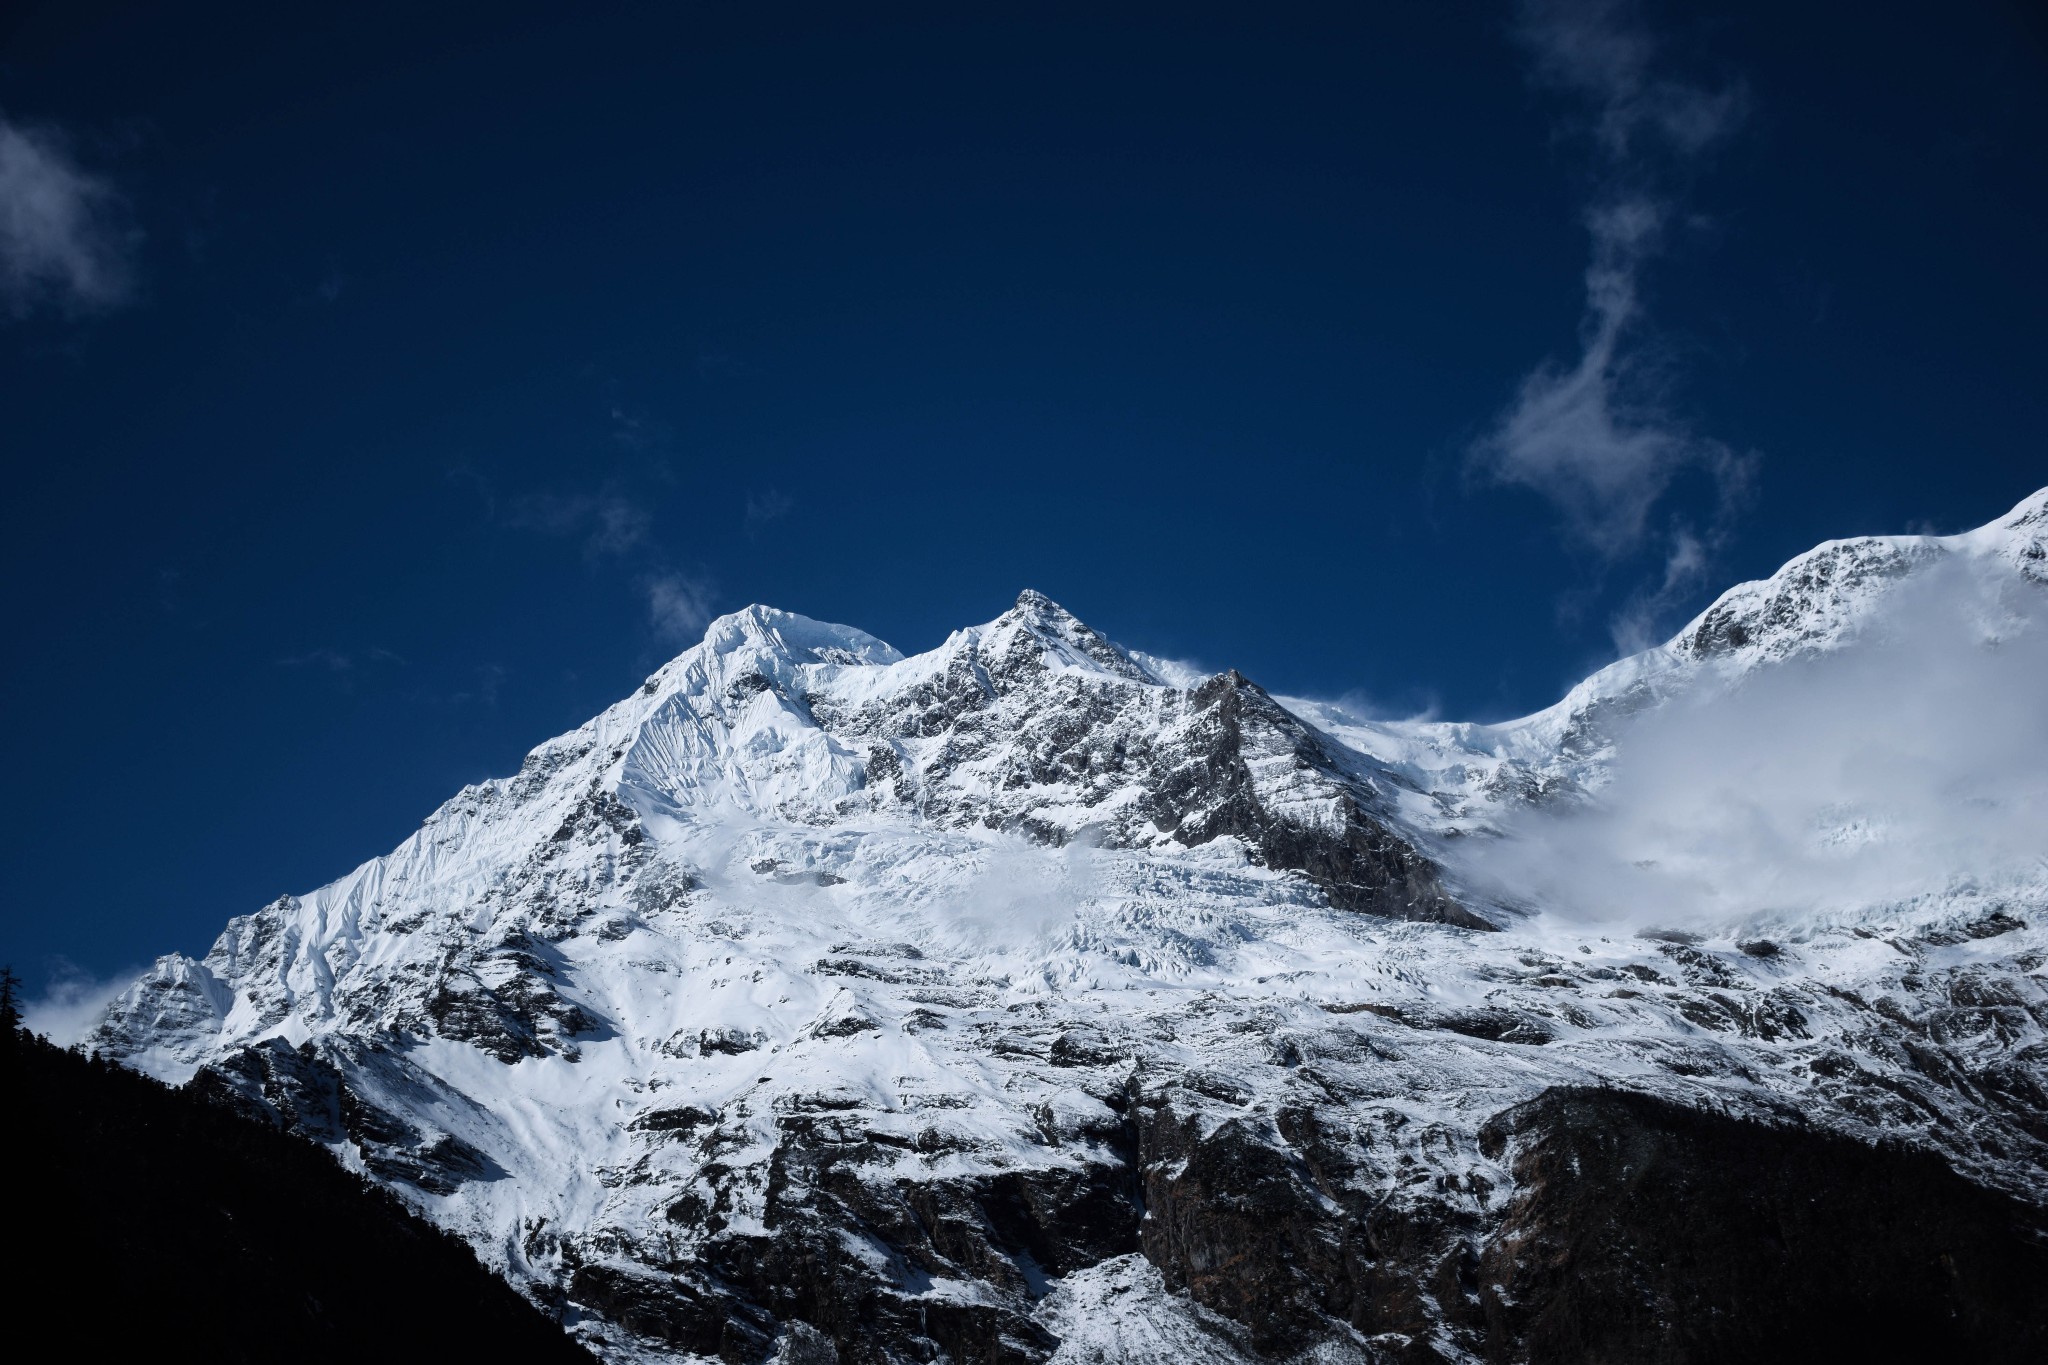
x,y
63,241
1908,763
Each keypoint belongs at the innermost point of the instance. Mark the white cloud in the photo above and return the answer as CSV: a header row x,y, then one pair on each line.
x,y
763,508
1908,763
1594,436
1602,51
344,669
611,525
73,1001
606,522
490,678
62,238
637,431
679,606
1639,624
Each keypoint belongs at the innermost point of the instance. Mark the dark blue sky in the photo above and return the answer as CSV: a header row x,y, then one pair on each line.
x,y
382,394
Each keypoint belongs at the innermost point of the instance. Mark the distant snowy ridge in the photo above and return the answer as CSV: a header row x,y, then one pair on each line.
x,y
1817,602
813,984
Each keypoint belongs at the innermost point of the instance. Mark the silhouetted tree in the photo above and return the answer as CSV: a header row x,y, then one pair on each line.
x,y
10,1002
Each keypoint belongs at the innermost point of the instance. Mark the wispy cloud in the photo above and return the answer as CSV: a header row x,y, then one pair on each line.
x,y
718,364
344,669
1595,435
340,661
73,1000
169,591
1639,624
64,239
1603,51
607,522
615,527
326,660
763,508
464,474
490,678
638,431
679,605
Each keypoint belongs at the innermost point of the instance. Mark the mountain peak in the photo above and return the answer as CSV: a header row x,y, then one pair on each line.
x,y
766,640
1051,628
801,638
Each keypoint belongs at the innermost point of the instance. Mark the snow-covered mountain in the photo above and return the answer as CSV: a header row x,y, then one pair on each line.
x,y
1029,998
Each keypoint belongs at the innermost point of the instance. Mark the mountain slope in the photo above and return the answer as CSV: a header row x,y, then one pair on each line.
x,y
815,999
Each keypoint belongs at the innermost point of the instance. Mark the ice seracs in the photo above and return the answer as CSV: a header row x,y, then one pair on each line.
x,y
819,998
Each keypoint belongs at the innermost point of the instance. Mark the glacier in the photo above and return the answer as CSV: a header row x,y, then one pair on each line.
x,y
816,1002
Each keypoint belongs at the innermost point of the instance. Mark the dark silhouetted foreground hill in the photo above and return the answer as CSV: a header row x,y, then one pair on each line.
x,y
145,1220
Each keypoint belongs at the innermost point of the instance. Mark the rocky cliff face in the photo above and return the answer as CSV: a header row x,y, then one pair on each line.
x,y
1017,1001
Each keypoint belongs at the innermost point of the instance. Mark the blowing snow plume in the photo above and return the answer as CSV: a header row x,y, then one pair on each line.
x,y
1909,762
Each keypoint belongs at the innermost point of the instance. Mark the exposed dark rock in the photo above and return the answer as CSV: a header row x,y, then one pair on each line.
x,y
1644,1232
504,999
844,1027
792,1292
666,1309
1098,735
1210,793
1076,1047
1793,609
797,876
1480,1021
1989,926
681,1121
1635,1231
729,1042
304,1092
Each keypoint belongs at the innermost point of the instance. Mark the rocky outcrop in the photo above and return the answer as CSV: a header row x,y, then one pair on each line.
x,y
324,1093
1624,1229
1039,724
1643,1231
859,1258
1588,1225
1211,790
